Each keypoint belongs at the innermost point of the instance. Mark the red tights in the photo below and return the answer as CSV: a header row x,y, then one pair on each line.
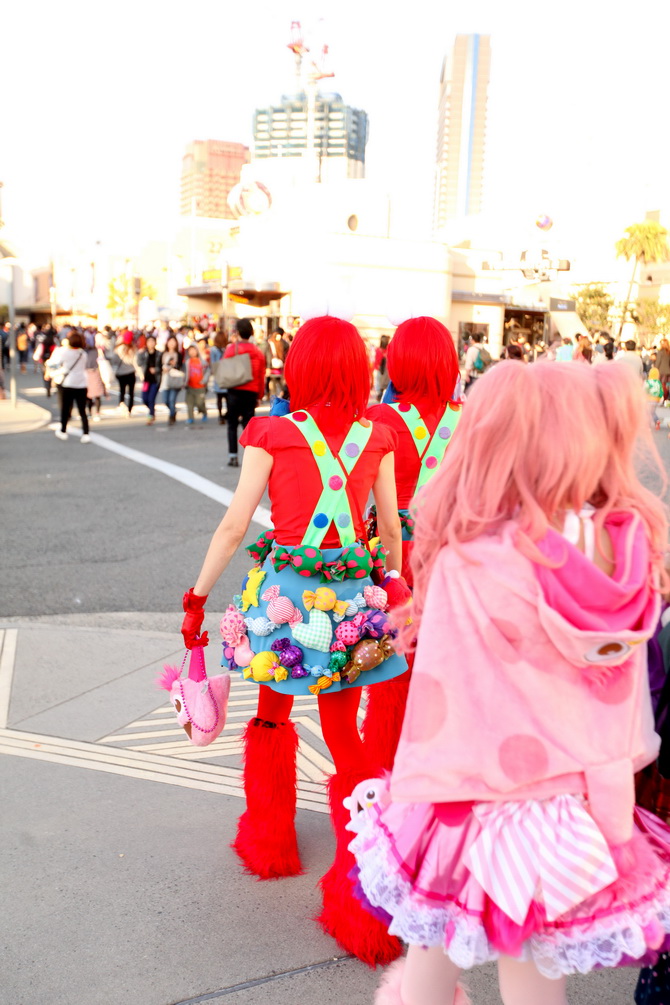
x,y
338,723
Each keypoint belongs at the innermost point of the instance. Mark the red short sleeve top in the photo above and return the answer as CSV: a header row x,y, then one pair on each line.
x,y
295,482
407,463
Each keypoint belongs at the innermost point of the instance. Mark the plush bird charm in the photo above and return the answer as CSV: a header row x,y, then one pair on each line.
x,y
373,792
199,701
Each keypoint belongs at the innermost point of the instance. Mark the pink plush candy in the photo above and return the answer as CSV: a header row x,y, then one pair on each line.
x,y
232,627
375,597
280,609
348,633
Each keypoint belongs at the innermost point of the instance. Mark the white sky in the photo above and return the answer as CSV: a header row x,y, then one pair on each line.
x,y
99,100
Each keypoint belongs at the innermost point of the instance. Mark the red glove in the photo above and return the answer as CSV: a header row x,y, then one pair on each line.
x,y
194,606
397,591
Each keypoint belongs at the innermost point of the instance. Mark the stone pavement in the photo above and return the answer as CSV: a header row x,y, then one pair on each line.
x,y
24,418
116,832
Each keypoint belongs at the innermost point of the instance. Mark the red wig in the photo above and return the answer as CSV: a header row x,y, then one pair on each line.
x,y
328,364
422,362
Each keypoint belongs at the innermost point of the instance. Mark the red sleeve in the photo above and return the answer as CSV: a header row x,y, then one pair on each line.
x,y
258,433
258,370
388,438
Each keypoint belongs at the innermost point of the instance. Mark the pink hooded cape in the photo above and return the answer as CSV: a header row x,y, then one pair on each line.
x,y
531,682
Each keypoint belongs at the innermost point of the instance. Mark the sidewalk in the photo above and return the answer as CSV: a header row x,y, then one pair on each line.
x,y
116,832
25,418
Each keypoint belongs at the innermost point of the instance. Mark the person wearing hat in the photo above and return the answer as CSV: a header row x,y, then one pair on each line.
x,y
124,369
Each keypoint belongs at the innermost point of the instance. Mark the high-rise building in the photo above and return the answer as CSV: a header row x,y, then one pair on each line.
x,y
461,128
339,134
210,169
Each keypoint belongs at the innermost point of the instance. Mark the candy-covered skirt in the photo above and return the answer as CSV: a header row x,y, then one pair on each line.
x,y
303,635
481,879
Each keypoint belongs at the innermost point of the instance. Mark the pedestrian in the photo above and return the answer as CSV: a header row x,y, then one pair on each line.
x,y
380,376
663,364
565,352
242,400
215,354
510,832
173,376
319,464
423,410
149,362
514,351
95,386
124,363
22,347
67,366
631,358
477,361
197,376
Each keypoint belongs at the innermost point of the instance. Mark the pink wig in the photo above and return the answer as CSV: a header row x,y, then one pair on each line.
x,y
533,442
422,362
328,362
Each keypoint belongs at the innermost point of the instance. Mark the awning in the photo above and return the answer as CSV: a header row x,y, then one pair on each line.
x,y
567,324
255,298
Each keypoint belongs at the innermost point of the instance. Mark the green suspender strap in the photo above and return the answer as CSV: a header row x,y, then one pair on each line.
x,y
333,505
431,450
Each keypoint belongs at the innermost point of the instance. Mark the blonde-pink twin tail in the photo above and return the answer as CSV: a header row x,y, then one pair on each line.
x,y
534,441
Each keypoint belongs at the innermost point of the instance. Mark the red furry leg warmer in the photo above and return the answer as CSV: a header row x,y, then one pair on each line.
x,y
266,840
342,916
388,992
383,719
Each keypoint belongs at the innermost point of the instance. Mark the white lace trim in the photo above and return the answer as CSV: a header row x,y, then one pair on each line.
x,y
601,944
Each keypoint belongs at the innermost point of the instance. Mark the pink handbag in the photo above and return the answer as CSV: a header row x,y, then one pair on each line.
x,y
201,702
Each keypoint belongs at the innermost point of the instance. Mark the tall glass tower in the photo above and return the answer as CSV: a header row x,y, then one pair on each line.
x,y
461,129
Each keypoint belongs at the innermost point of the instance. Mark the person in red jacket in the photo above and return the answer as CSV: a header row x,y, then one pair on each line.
x,y
242,400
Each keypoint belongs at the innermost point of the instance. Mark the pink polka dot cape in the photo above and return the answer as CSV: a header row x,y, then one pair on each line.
x,y
509,824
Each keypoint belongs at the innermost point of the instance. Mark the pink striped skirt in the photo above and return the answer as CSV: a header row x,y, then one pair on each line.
x,y
534,880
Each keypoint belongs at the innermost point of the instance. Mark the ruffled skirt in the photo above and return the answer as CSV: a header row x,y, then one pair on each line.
x,y
426,868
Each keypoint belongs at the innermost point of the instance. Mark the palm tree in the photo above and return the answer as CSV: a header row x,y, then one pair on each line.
x,y
645,243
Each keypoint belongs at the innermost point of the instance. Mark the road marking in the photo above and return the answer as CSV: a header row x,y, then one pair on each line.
x,y
137,764
8,639
203,485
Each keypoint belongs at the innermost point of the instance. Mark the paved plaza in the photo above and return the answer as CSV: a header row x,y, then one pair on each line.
x,y
120,886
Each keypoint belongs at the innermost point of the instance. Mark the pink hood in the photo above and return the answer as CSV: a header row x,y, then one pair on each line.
x,y
530,681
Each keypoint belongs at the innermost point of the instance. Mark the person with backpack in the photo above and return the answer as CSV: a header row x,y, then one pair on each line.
x,y
477,361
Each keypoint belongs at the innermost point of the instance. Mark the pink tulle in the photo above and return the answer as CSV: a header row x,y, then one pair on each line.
x,y
168,677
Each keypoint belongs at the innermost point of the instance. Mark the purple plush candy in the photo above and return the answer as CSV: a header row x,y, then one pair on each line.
x,y
299,672
376,624
291,656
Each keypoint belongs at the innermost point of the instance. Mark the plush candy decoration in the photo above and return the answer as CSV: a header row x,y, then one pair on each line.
x,y
317,633
375,597
354,605
373,792
306,561
290,655
337,661
251,588
325,599
299,672
260,626
265,666
366,655
243,654
348,634
200,702
323,682
262,546
377,624
281,610
232,627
